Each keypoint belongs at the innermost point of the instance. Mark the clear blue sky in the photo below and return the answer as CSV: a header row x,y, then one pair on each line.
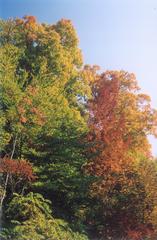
x,y
115,34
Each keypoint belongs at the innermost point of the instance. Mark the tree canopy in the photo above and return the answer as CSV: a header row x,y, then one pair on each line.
x,y
75,160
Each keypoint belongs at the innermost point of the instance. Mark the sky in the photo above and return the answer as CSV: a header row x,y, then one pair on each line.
x,y
114,34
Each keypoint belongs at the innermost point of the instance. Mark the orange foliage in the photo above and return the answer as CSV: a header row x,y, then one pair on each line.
x,y
23,119
21,168
120,120
107,129
30,21
140,233
28,111
113,133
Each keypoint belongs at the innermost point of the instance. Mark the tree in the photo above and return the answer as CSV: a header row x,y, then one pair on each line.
x,y
119,122
31,217
17,174
44,87
73,136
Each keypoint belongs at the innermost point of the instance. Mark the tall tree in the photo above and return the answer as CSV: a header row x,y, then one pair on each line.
x,y
120,119
44,89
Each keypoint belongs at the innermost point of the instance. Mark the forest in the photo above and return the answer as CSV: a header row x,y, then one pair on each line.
x,y
75,160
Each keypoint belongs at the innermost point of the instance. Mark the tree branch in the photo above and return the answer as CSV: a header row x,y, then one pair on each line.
x,y
7,176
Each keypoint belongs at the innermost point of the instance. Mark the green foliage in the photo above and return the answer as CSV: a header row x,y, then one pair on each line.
x,y
84,134
32,219
37,72
26,207
41,228
42,87
59,167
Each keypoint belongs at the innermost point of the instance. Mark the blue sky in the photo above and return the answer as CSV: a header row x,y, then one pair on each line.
x,y
115,34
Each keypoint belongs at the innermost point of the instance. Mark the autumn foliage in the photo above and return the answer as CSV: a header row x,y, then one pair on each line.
x,y
115,133
73,136
19,168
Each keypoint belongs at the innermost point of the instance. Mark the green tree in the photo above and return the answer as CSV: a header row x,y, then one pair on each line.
x,y
44,90
32,219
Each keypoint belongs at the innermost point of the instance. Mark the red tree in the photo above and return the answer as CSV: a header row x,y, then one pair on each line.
x,y
119,122
17,173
